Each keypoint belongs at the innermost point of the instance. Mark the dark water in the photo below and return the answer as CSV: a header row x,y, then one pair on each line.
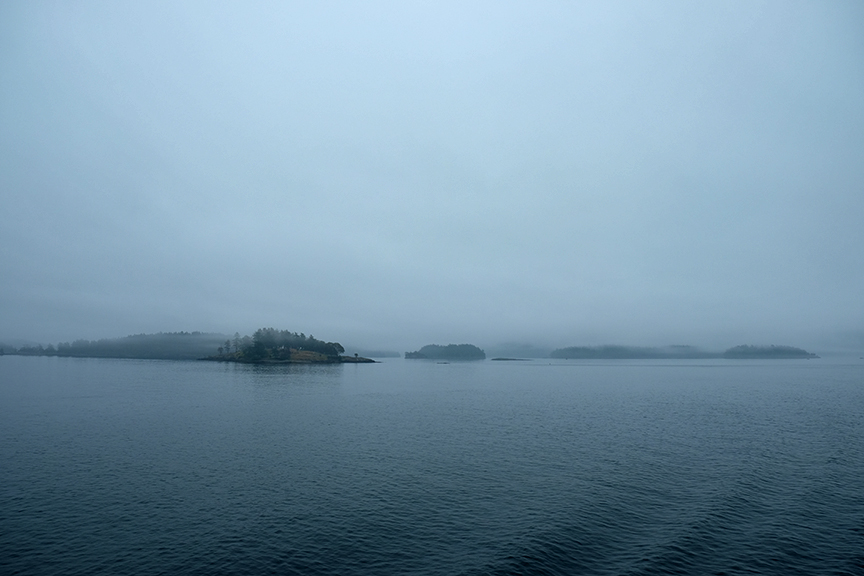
x,y
408,467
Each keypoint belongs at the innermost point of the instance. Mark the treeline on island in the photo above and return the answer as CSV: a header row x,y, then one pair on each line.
x,y
265,345
448,352
268,345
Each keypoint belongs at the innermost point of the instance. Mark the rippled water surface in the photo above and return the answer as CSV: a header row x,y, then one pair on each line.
x,y
410,467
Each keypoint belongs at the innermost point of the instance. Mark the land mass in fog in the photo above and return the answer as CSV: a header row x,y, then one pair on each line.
x,y
615,352
448,352
268,345
271,346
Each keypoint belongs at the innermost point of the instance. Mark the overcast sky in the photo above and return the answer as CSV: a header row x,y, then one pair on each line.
x,y
392,174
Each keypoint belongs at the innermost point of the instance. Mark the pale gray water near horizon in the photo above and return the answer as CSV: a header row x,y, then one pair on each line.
x,y
412,467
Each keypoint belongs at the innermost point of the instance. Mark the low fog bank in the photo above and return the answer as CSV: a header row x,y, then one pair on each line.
x,y
390,174
406,316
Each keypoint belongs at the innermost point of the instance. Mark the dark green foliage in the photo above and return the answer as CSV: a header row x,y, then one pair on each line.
x,y
767,352
265,343
449,352
269,343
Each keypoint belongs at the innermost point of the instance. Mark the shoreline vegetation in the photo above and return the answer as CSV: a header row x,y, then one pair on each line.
x,y
271,346
265,346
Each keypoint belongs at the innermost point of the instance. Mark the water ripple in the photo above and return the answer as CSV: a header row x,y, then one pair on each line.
x,y
470,470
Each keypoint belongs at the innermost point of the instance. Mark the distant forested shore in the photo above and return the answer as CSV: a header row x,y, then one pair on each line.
x,y
268,345
448,352
614,352
160,346
767,352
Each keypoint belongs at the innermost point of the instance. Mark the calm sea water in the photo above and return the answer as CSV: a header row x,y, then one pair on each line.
x,y
411,467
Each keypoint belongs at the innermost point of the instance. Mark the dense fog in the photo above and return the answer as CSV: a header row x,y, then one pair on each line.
x,y
393,174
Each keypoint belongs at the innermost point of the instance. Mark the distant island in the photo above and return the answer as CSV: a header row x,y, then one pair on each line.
x,y
271,346
160,346
449,352
265,346
615,352
767,352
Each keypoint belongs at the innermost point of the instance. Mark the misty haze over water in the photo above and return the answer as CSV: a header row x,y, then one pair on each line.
x,y
395,174
633,203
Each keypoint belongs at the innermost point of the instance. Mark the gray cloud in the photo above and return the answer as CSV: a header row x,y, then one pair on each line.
x,y
392,174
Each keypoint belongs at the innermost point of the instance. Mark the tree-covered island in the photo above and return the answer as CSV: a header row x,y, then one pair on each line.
x,y
267,345
449,352
271,346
